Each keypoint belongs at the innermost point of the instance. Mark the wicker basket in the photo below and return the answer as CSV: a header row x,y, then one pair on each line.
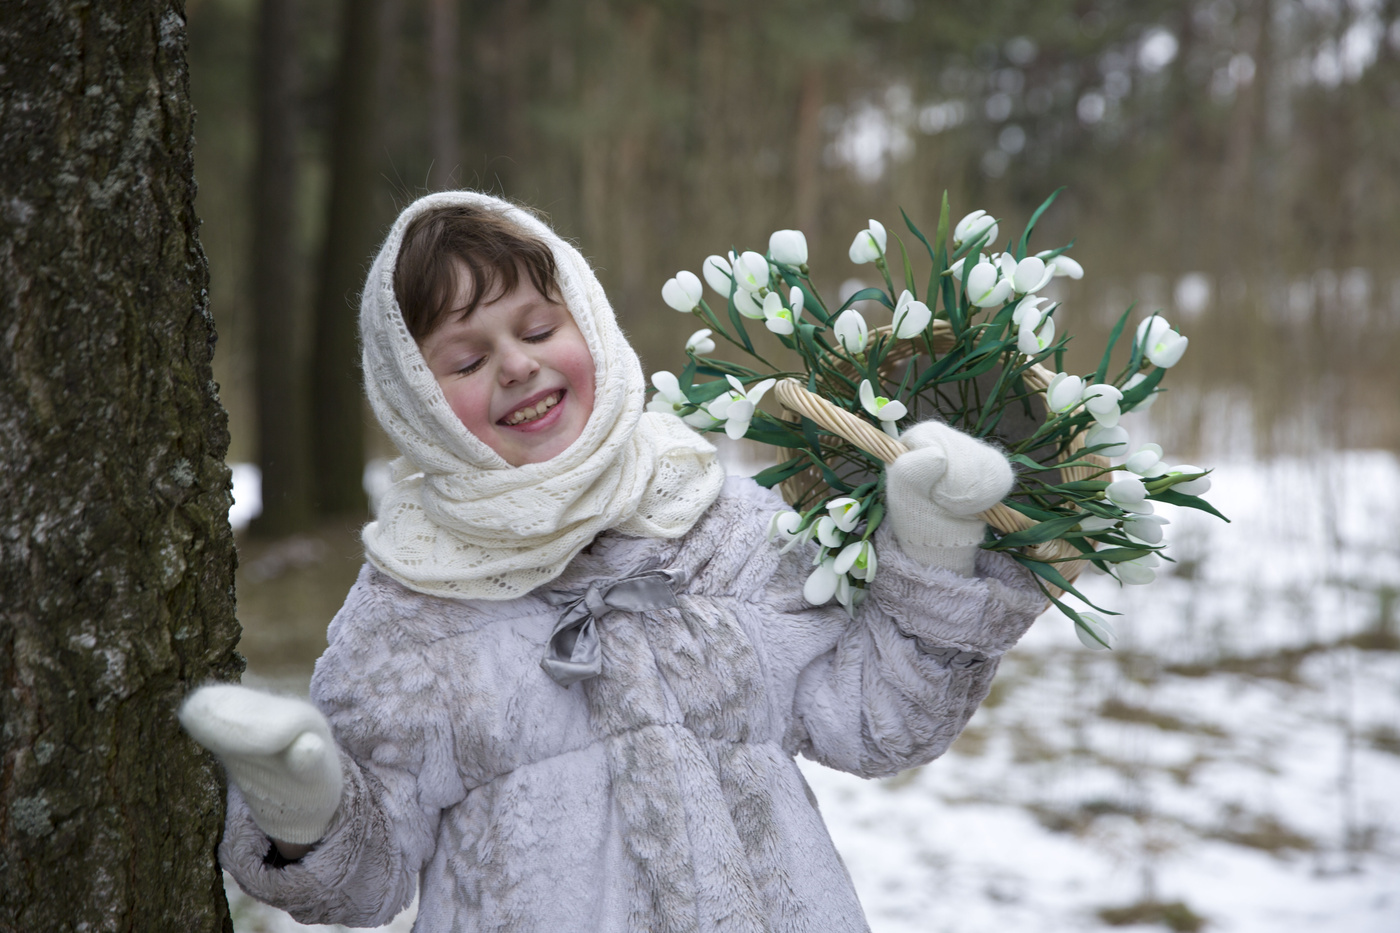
x,y
794,397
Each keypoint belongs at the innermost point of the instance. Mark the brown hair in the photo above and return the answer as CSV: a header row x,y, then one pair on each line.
x,y
492,249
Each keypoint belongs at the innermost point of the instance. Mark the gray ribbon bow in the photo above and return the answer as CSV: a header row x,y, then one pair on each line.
x,y
574,650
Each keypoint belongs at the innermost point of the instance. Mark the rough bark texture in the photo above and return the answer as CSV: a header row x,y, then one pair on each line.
x,y
281,382
337,406
116,557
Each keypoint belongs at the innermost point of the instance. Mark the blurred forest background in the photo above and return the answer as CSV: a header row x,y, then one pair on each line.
x,y
1234,163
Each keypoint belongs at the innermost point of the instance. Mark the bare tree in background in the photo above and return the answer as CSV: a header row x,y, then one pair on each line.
x,y
116,557
280,376
442,67
352,222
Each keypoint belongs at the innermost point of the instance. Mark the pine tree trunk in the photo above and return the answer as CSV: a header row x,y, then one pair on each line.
x,y
280,373
116,558
337,410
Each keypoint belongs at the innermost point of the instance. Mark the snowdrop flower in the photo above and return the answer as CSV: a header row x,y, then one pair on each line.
x,y
1028,312
851,331
785,526
1062,265
1195,487
869,244
777,318
700,342
886,411
1064,392
1139,571
1162,345
1116,439
1031,342
986,286
858,560
845,512
788,246
669,399
796,300
910,316
1093,523
973,226
719,274
1146,461
1129,494
682,292
1101,399
1094,631
751,271
736,408
1145,528
956,268
746,302
850,597
1031,275
828,533
1146,403
821,585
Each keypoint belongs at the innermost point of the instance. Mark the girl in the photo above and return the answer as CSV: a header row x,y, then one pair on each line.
x,y
567,690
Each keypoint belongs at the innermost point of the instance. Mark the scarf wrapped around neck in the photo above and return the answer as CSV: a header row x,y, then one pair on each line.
x,y
457,520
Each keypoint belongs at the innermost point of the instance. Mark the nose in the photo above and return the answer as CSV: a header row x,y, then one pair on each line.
x,y
518,364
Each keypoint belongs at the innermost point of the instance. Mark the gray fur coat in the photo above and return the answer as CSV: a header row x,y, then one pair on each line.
x,y
659,796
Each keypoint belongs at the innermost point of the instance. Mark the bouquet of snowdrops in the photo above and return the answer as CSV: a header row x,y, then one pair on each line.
x,y
971,350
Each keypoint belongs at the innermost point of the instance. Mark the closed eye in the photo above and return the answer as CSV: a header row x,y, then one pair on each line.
x,y
541,338
471,367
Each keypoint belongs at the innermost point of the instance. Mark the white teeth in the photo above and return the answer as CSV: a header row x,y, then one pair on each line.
x,y
534,411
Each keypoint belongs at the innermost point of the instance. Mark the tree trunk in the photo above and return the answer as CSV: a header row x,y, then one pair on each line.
x,y
337,431
442,92
116,557
280,381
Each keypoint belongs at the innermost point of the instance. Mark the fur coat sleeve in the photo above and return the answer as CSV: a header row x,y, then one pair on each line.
x,y
660,794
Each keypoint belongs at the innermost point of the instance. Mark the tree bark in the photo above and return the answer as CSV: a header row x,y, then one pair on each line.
x,y
337,430
116,557
280,381
443,31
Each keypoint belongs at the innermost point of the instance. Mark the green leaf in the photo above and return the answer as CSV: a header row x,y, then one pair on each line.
x,y
702,392
1116,555
1139,392
776,474
687,376
1048,572
1038,534
908,269
1113,336
1026,236
867,294
1185,501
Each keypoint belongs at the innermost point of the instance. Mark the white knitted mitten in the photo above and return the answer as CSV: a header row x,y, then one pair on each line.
x,y
935,491
278,750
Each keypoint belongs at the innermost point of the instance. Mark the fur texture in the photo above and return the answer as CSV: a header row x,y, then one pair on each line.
x,y
661,795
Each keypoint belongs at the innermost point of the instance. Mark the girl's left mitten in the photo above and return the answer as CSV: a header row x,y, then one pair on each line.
x,y
278,750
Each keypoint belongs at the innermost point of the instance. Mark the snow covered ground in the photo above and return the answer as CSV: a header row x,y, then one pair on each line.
x,y
1233,766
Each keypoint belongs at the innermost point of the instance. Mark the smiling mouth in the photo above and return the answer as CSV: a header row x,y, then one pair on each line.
x,y
533,412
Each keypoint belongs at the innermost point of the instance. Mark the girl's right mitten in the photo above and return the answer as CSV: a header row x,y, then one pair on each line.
x,y
278,750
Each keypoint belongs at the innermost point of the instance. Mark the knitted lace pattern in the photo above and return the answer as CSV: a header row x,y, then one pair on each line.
x,y
457,520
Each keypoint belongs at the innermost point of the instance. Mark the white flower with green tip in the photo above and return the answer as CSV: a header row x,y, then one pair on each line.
x,y
845,512
869,244
1094,631
1115,440
1129,494
778,319
736,408
700,343
857,559
1031,342
973,226
682,292
669,399
986,286
1145,528
1160,344
1101,400
719,274
886,411
1193,487
1064,393
751,271
851,331
1139,571
910,316
788,247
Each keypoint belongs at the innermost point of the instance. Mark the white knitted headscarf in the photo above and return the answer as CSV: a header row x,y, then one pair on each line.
x,y
458,520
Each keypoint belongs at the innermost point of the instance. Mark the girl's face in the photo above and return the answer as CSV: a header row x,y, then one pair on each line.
x,y
516,372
